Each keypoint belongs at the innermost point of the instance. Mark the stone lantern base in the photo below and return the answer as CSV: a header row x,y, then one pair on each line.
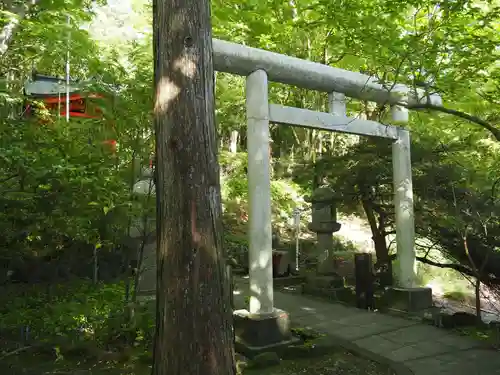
x,y
330,286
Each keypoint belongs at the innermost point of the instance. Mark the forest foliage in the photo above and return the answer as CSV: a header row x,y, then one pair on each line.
x,y
60,187
67,200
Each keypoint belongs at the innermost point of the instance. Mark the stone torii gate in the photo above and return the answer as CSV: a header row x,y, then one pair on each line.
x,y
263,324
260,66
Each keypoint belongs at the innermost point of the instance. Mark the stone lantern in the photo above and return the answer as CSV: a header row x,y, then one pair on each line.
x,y
324,224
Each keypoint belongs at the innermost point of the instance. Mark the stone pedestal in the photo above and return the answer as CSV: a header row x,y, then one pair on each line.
x,y
325,282
411,300
331,287
255,334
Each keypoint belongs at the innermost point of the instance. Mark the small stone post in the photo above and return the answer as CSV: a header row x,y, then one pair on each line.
x,y
324,223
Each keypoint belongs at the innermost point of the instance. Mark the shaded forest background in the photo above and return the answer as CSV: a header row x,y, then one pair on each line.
x,y
68,202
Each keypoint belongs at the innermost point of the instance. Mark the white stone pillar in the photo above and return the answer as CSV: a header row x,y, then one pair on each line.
x,y
336,104
399,113
403,198
259,195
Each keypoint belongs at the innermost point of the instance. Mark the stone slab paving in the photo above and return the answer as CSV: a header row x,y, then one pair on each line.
x,y
420,348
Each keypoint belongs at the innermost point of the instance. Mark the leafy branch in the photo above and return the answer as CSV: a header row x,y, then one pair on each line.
x,y
474,119
17,15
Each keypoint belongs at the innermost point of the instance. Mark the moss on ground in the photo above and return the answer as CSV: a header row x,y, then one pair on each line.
x,y
488,335
336,363
317,355
43,362
33,363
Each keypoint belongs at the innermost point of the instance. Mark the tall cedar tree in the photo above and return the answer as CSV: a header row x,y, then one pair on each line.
x,y
193,314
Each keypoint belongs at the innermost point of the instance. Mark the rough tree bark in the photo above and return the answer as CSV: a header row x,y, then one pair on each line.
x,y
193,318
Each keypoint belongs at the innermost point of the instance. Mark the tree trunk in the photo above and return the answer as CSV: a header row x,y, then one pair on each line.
x,y
477,281
477,289
96,265
193,313
7,32
378,237
233,143
383,265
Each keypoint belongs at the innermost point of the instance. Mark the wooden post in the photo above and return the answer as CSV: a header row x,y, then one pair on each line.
x,y
193,313
363,264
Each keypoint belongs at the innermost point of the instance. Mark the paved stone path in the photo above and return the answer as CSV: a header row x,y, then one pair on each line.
x,y
411,346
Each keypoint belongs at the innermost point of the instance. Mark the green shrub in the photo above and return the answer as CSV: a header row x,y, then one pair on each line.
x,y
234,190
444,281
458,295
74,312
341,244
234,186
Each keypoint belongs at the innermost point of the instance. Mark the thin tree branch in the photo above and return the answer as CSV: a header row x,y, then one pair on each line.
x,y
460,268
14,352
494,190
486,125
8,178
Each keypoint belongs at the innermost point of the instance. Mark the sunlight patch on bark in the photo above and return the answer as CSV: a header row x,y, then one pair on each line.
x,y
166,92
186,65
194,231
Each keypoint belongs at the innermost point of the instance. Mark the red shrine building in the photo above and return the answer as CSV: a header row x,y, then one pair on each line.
x,y
50,92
